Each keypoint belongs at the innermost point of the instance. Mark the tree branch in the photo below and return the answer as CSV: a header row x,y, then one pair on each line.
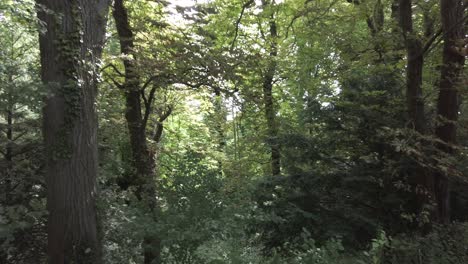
x,y
148,104
236,33
110,65
148,82
159,126
116,83
428,47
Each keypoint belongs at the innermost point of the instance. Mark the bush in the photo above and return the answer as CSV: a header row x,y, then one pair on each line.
x,y
445,245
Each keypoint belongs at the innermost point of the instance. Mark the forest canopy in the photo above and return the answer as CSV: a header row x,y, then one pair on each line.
x,y
233,131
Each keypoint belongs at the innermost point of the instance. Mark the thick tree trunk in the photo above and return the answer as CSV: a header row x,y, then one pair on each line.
x,y
452,12
414,68
375,23
268,101
69,51
143,161
421,180
270,114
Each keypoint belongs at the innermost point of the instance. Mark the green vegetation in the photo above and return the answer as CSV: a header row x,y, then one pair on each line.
x,y
233,131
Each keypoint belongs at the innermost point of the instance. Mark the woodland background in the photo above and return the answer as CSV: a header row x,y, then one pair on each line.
x,y
233,131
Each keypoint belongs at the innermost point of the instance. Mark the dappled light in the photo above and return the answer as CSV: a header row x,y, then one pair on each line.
x,y
233,131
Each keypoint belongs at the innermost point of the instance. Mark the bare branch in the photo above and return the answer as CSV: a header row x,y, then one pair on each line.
x,y
143,96
110,65
148,82
20,135
236,33
165,114
305,12
159,125
148,104
116,83
429,44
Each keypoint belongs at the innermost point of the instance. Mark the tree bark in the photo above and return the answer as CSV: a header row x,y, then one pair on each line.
x,y
414,68
69,52
158,130
143,161
268,100
452,12
421,180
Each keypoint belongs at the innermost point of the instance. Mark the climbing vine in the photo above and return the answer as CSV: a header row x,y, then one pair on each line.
x,y
71,90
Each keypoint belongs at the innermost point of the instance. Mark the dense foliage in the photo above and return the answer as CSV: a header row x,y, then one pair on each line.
x,y
245,131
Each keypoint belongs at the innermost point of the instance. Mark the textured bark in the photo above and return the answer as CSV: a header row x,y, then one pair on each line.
x,y
143,161
421,180
452,12
268,100
141,158
158,130
414,68
75,32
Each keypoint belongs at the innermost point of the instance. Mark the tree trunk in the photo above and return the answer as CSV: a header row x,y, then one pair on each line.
x,y
270,112
9,156
414,68
452,12
143,161
218,119
69,51
8,170
421,180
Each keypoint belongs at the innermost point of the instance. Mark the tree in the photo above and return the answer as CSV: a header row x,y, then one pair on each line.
x,y
143,162
21,156
453,25
234,131
70,50
414,68
255,41
269,73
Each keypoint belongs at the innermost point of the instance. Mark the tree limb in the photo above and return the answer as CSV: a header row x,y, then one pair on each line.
x,y
236,33
148,104
110,65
